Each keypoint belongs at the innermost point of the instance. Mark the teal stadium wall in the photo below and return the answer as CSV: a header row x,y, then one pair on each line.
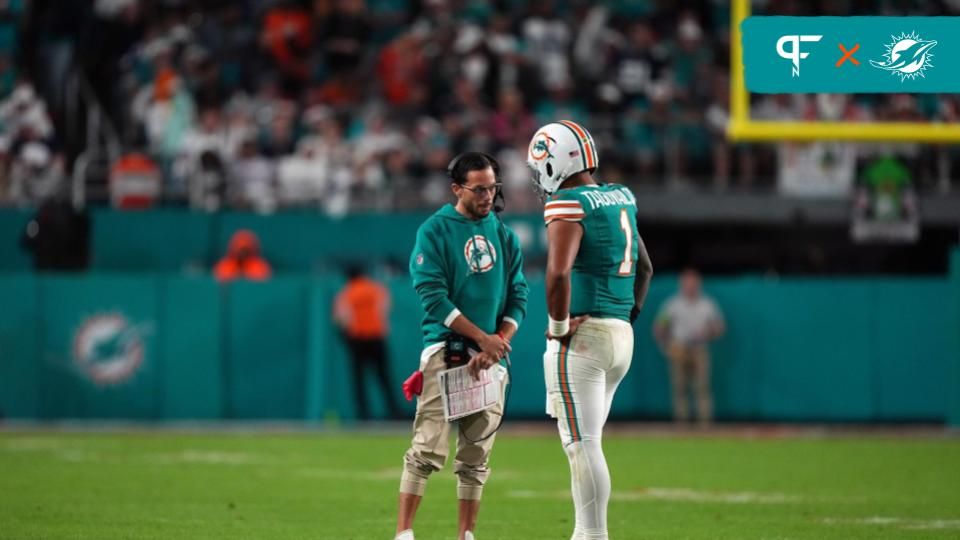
x,y
838,350
873,349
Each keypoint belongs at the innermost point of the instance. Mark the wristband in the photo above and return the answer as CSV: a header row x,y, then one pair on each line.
x,y
558,328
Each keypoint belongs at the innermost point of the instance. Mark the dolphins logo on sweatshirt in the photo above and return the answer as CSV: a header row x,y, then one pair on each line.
x,y
480,254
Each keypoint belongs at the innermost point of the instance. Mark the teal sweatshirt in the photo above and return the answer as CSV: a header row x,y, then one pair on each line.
x,y
471,267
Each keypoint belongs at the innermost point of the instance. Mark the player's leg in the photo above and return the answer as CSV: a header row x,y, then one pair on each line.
x,y
622,345
579,402
429,447
622,358
472,464
701,385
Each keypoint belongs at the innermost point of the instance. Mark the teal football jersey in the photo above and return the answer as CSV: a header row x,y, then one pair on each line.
x,y
603,272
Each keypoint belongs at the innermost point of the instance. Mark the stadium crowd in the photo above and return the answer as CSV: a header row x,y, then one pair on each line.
x,y
346,104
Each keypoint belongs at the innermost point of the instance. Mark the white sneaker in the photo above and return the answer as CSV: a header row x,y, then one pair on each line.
x,y
468,535
405,535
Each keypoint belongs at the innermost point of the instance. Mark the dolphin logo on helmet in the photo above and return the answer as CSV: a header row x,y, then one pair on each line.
x,y
558,151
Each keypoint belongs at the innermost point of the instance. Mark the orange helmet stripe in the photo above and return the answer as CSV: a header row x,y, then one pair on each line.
x,y
587,142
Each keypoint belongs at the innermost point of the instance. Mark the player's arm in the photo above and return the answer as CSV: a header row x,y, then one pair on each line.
x,y
517,290
641,284
428,269
563,243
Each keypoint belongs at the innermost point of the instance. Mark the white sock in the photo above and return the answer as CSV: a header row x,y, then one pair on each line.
x,y
405,535
590,482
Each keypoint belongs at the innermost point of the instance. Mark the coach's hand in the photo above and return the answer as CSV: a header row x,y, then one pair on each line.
x,y
480,361
574,324
494,345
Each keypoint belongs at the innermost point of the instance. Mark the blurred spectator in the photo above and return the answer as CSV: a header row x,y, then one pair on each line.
x,y
303,178
402,68
251,180
23,115
684,327
511,123
412,83
887,191
344,34
724,154
30,168
547,39
275,117
361,310
210,135
243,260
287,35
885,206
202,162
207,184
640,61
690,58
166,109
231,41
36,174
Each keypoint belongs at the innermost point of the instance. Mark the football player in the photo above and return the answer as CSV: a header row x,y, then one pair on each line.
x,y
597,277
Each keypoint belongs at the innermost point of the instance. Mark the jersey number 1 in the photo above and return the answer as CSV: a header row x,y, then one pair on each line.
x,y
626,266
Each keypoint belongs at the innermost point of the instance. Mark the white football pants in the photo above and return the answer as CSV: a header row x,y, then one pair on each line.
x,y
582,374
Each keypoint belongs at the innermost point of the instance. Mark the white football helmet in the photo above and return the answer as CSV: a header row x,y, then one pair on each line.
x,y
559,150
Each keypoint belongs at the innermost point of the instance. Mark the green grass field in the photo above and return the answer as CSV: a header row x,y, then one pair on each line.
x,y
322,486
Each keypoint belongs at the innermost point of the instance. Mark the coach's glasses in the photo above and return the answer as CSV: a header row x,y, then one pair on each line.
x,y
480,190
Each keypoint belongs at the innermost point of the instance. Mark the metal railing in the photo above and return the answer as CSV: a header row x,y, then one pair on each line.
x,y
101,144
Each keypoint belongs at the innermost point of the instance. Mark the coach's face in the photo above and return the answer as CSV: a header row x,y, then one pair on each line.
x,y
475,196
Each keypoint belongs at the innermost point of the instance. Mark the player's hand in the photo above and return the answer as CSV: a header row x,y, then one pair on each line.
x,y
634,313
478,362
494,345
574,324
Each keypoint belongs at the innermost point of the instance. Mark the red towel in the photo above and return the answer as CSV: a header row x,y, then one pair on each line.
x,y
413,386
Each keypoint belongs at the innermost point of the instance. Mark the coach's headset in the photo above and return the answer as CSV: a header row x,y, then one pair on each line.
x,y
454,171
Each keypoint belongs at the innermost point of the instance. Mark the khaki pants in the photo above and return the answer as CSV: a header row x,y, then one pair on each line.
x,y
431,440
690,364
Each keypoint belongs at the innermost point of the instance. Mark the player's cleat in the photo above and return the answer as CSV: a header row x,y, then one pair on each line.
x,y
405,535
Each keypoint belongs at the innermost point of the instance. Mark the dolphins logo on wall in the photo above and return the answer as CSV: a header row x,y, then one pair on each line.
x,y
108,349
907,56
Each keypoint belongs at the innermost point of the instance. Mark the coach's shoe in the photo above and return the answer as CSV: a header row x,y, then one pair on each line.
x,y
405,535
467,535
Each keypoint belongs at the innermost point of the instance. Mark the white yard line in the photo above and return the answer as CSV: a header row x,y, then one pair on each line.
x,y
898,522
675,494
206,457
